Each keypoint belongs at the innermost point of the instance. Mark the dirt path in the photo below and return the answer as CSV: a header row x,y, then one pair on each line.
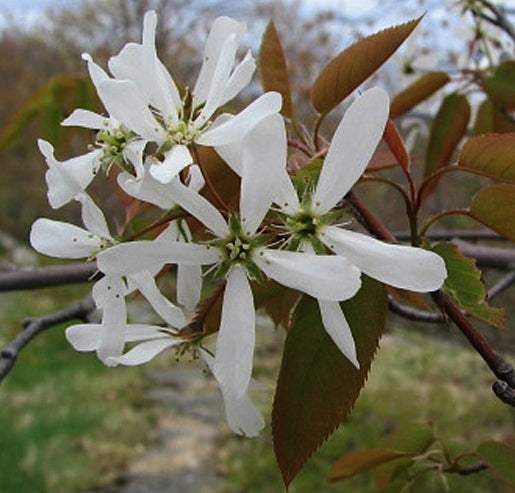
x,y
190,418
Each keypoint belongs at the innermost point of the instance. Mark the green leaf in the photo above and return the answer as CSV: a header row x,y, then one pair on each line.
x,y
318,386
447,129
500,457
464,283
412,439
353,66
489,119
494,206
492,155
418,91
274,69
500,87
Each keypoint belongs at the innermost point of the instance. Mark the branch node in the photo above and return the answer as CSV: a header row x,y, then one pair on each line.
x,y
504,392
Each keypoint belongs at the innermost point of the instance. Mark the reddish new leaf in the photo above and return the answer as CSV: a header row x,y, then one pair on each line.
x,y
353,66
447,129
273,68
492,154
418,91
395,143
364,460
494,206
318,386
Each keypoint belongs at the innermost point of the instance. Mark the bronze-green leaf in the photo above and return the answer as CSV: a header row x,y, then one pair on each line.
x,y
464,283
494,206
500,87
492,155
363,460
318,386
418,91
447,129
500,457
273,68
354,65
489,119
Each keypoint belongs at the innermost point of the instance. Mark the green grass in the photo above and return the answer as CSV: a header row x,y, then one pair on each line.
x,y
66,421
413,379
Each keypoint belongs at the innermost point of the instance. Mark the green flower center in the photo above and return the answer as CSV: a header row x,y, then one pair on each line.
x,y
183,133
112,142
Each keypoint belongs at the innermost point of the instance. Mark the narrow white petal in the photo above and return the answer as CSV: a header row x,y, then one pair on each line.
x,y
352,146
199,207
240,78
143,332
84,337
92,217
129,258
189,285
175,161
86,119
62,240
133,152
235,343
326,277
401,266
170,313
264,170
222,29
124,102
144,352
237,127
96,73
337,327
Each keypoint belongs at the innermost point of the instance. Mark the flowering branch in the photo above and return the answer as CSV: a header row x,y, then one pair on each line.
x,y
34,326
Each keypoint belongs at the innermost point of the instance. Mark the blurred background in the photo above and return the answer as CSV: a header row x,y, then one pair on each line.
x,y
67,424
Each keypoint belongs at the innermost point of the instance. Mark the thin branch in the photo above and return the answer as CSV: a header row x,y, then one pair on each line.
x,y
34,326
415,314
463,234
499,258
501,285
43,277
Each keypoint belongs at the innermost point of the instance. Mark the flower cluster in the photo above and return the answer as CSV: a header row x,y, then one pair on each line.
x,y
278,231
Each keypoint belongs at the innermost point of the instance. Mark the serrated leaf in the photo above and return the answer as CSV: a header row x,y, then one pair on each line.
x,y
494,206
492,154
500,457
363,460
274,69
318,386
500,87
418,91
413,439
395,143
353,66
447,129
490,120
464,283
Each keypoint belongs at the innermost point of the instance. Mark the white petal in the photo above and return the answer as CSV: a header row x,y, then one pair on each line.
x,y
401,266
170,313
124,102
62,240
337,327
133,152
235,342
240,78
144,352
189,285
352,146
264,169
96,73
92,217
237,127
196,180
242,416
84,337
222,29
136,256
326,277
200,208
175,161
86,119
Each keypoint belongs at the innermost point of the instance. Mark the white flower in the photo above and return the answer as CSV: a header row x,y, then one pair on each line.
x,y
144,97
310,223
241,256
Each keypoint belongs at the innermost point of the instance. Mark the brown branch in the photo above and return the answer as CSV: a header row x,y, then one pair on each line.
x,y
43,277
415,314
34,326
462,234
